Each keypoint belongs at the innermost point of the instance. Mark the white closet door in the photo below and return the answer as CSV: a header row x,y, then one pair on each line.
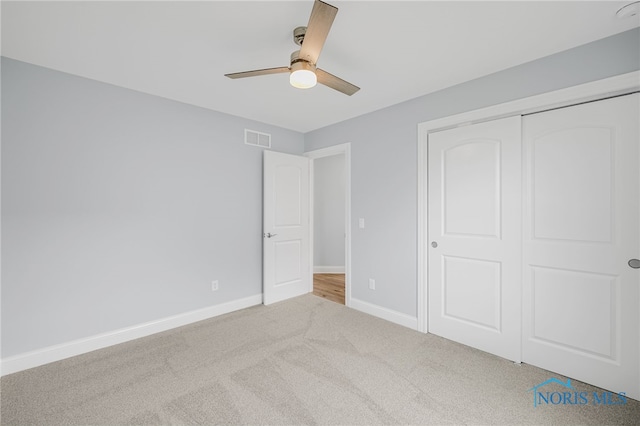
x,y
475,238
581,227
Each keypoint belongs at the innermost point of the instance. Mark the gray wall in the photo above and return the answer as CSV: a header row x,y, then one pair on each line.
x,y
329,212
120,208
384,151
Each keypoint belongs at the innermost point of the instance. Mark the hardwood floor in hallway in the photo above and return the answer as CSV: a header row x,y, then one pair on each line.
x,y
329,286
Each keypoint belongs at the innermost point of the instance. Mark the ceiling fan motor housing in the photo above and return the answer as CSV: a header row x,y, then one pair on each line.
x,y
303,65
300,64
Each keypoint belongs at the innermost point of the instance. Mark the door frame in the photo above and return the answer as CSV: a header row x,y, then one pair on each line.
x,y
600,89
342,149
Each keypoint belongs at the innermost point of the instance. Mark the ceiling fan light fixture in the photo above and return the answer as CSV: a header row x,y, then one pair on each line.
x,y
303,75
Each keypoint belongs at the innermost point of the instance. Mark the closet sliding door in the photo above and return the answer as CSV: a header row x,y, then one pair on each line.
x,y
581,228
475,235
534,236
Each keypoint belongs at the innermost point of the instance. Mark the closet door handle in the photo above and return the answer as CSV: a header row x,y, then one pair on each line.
x,y
269,235
634,263
434,244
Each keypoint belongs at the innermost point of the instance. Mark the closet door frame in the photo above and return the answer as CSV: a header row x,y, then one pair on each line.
x,y
600,89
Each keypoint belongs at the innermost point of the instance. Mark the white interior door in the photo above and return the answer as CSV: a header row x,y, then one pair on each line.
x,y
286,227
581,226
474,227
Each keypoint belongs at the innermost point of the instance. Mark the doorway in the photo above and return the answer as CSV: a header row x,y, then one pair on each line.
x,y
330,218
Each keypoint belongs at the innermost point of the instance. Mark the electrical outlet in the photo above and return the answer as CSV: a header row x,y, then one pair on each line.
x,y
372,284
214,285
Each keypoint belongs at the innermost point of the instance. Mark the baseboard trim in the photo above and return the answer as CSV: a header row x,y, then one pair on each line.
x,y
384,313
27,360
328,269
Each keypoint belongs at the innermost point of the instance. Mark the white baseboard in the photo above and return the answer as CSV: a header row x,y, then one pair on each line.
x,y
384,313
328,269
27,360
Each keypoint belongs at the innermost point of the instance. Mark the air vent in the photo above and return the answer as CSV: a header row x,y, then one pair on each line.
x,y
251,137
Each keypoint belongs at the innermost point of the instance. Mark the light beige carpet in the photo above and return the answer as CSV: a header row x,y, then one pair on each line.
x,y
303,361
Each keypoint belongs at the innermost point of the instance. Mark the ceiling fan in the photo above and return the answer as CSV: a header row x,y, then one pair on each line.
x,y
303,71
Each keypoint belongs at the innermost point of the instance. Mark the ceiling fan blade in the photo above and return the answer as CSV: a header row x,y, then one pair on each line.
x,y
322,16
255,73
336,83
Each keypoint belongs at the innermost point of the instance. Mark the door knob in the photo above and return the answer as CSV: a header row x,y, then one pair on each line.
x,y
634,263
434,244
269,235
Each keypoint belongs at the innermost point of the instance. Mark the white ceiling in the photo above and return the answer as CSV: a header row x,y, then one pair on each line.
x,y
393,50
